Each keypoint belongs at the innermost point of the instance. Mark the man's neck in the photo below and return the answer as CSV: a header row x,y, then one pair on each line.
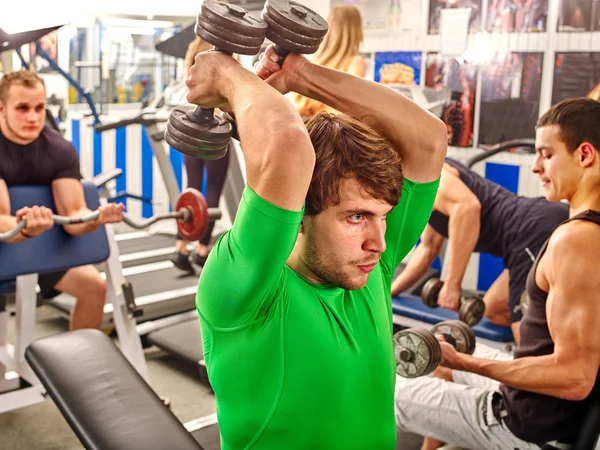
x,y
587,197
298,265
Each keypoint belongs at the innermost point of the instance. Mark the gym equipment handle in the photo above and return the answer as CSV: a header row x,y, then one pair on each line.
x,y
183,215
282,54
489,151
137,120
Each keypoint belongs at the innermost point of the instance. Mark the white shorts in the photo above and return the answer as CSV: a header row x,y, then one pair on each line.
x,y
458,413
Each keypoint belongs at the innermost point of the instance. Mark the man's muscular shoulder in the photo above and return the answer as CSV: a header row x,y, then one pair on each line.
x,y
573,244
56,142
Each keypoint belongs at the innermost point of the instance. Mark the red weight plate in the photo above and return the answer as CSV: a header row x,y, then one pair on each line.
x,y
194,228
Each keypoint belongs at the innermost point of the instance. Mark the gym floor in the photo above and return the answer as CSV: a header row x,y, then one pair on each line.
x,y
42,427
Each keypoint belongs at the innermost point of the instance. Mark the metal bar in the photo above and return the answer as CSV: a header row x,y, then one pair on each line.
x,y
129,339
26,299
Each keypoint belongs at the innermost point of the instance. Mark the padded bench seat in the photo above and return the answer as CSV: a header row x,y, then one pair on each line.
x,y
412,306
103,398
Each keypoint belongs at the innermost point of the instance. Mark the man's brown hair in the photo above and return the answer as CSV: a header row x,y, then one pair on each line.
x,y
346,148
27,78
577,119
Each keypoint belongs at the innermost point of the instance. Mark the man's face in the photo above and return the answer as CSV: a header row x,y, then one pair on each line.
x,y
23,115
558,169
344,242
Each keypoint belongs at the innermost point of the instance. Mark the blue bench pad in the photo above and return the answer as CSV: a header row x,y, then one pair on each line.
x,y
411,306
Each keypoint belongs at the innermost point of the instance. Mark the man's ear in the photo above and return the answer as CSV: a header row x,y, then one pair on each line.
x,y
588,154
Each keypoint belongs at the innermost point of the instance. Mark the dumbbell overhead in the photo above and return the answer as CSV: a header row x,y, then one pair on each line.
x,y
196,131
418,352
191,212
471,309
293,27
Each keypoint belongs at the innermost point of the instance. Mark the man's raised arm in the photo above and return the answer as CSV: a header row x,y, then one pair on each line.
x,y
419,137
277,149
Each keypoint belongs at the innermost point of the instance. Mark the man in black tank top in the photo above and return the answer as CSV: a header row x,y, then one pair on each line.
x,y
542,396
478,215
31,153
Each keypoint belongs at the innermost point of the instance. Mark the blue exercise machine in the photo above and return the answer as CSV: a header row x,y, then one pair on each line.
x,y
55,250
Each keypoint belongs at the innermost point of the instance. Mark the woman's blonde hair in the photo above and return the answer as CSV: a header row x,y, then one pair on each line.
x,y
595,93
337,51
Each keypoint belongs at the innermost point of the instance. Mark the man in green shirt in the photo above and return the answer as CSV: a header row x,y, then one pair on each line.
x,y
294,301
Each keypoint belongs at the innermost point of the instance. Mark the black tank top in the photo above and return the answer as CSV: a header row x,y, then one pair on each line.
x,y
534,417
509,222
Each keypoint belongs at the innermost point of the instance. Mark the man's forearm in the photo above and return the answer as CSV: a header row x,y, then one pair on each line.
x,y
539,374
259,110
81,228
7,223
416,267
388,112
463,232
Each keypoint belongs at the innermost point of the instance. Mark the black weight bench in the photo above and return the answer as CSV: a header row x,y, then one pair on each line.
x,y
103,398
110,406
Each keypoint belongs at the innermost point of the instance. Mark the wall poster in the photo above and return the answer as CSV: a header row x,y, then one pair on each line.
x,y
461,77
510,97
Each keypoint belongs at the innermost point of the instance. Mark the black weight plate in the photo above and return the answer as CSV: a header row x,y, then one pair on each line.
x,y
462,334
291,46
431,290
196,141
181,118
471,310
469,335
193,151
225,44
227,35
436,350
436,354
471,339
297,18
274,27
233,18
423,350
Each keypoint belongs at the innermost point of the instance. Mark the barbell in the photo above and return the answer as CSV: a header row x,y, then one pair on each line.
x,y
191,212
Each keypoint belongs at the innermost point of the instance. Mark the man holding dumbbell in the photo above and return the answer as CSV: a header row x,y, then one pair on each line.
x,y
478,215
294,300
539,398
31,153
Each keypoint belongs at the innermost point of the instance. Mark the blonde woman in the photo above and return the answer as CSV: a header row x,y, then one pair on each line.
x,y
595,93
339,50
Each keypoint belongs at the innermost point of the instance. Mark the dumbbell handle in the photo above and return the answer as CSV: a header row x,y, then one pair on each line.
x,y
184,215
282,53
449,339
206,115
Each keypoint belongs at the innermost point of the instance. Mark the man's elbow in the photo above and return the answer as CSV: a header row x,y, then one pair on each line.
x,y
579,388
470,210
74,230
438,142
290,145
439,136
